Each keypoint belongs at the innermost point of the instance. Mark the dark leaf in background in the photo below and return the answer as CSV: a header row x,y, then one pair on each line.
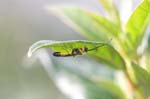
x,y
143,79
67,71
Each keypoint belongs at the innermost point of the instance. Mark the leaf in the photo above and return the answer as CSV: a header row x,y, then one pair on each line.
x,y
89,69
143,79
79,85
105,53
90,24
148,43
109,56
106,4
95,91
107,26
147,50
112,11
111,85
136,25
144,48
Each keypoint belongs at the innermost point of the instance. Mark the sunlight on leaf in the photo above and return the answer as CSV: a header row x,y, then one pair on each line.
x,y
136,25
63,46
106,25
112,11
90,24
105,53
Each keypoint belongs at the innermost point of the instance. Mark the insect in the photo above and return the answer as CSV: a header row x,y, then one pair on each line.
x,y
76,51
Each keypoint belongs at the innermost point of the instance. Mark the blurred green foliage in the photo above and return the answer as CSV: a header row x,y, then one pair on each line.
x,y
121,54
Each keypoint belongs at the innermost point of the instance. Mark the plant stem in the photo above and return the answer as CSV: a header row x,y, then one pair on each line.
x,y
133,86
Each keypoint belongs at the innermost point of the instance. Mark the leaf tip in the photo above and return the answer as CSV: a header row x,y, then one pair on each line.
x,y
29,54
38,45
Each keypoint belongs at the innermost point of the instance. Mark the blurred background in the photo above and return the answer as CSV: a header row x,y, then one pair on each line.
x,y
22,23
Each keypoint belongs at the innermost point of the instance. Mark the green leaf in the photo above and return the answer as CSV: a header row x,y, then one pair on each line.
x,y
136,25
89,89
148,45
107,26
143,79
90,24
98,91
108,55
105,53
111,85
111,10
147,50
106,4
